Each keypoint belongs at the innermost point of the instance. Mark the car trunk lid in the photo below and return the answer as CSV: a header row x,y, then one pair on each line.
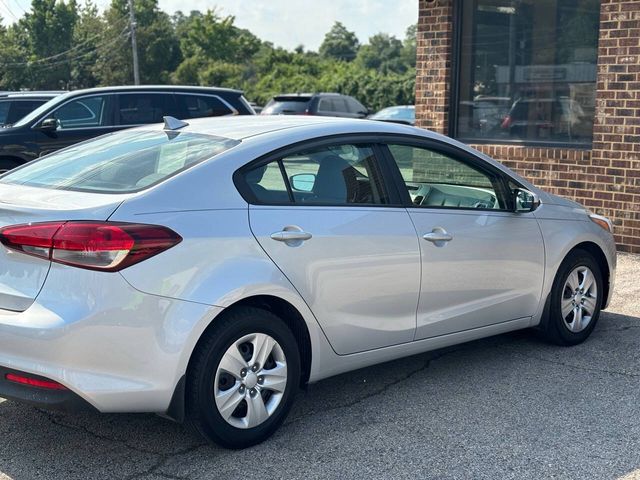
x,y
21,275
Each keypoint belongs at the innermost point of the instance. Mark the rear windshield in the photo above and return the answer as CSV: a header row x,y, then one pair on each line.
x,y
122,162
286,105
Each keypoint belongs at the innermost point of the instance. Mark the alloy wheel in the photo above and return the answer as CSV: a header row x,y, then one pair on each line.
x,y
579,299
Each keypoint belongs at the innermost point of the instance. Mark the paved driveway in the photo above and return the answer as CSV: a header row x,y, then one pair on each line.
x,y
505,407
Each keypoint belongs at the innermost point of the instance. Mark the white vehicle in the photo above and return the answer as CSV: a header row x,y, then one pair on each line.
x,y
205,271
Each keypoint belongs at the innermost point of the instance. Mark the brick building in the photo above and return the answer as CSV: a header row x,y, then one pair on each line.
x,y
549,87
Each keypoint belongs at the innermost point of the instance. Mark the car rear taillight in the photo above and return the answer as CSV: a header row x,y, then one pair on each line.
x,y
34,382
106,246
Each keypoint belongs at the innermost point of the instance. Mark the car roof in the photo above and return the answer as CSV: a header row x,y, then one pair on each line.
x,y
152,88
317,94
242,127
30,94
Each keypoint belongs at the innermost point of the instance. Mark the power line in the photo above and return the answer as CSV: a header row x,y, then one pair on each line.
x,y
6,6
45,66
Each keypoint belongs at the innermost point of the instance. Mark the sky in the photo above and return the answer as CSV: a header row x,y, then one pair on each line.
x,y
288,23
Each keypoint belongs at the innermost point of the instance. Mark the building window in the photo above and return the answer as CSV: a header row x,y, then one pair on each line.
x,y
527,71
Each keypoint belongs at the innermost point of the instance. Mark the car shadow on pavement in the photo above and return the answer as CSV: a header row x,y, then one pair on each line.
x,y
508,406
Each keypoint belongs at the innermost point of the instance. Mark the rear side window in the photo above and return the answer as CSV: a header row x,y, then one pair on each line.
x,y
82,113
121,162
355,106
197,106
140,109
335,175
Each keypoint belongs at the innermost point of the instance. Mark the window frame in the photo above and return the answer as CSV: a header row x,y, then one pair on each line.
x,y
456,154
454,98
387,180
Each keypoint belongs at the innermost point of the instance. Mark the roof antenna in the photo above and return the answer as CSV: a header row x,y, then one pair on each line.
x,y
171,123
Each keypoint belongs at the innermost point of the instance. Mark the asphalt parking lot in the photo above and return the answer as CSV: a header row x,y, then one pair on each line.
x,y
505,407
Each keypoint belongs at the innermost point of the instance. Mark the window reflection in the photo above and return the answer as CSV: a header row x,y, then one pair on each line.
x,y
527,70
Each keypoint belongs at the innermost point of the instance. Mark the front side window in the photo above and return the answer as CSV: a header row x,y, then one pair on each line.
x,y
436,180
335,175
121,162
527,71
82,113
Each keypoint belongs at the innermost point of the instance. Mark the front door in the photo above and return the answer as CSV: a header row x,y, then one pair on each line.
x,y
482,264
323,216
78,120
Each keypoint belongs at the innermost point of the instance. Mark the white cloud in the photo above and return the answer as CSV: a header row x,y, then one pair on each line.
x,y
289,23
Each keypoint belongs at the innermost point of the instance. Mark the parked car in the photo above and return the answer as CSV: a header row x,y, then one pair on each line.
x,y
397,114
77,116
322,104
548,118
15,105
205,270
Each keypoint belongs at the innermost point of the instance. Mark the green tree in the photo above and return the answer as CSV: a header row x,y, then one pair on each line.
x,y
383,53
409,46
158,47
340,43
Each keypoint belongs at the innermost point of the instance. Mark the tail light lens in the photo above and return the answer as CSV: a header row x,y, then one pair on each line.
x,y
106,246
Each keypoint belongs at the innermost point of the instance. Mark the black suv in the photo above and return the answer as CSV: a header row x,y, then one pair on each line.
x,y
15,105
324,104
76,116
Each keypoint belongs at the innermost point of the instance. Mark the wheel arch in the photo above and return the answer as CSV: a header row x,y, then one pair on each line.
x,y
598,254
276,305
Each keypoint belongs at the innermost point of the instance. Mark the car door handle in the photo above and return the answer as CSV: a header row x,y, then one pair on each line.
x,y
290,235
438,235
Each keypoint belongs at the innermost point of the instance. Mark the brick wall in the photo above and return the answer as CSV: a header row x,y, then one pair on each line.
x,y
606,178
433,64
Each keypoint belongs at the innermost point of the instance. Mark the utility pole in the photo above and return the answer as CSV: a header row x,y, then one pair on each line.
x,y
134,44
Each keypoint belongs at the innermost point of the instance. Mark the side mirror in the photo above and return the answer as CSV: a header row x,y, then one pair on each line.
x,y
49,124
363,113
303,182
525,200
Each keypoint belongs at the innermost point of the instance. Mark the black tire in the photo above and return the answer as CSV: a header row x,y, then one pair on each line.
x,y
202,414
555,328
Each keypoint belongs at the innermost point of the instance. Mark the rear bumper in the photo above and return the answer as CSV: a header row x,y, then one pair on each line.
x,y
64,400
114,348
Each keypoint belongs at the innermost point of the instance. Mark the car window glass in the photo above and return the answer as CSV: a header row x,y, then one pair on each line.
x,y
120,162
339,105
83,112
21,108
267,184
335,175
4,112
137,109
204,106
434,180
326,105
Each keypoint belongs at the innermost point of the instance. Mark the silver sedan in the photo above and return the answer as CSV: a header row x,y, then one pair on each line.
x,y
206,271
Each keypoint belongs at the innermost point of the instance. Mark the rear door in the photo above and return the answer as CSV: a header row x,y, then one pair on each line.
x,y
324,216
482,264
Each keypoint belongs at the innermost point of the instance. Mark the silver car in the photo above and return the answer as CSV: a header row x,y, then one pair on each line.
x,y
205,271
